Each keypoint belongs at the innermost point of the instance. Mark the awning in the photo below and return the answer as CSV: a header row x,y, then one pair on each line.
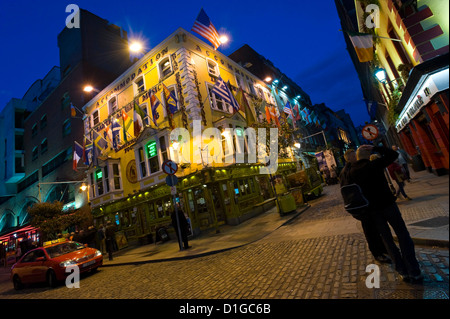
x,y
425,80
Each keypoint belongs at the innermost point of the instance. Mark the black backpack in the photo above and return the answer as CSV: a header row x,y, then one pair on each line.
x,y
355,202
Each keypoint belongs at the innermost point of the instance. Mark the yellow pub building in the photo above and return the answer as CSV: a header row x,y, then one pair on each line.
x,y
128,186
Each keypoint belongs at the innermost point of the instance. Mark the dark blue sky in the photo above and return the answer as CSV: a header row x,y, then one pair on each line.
x,y
301,38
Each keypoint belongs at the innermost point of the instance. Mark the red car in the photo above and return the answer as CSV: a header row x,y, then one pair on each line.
x,y
49,263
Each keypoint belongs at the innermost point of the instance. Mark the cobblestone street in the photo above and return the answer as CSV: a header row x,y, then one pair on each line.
x,y
297,261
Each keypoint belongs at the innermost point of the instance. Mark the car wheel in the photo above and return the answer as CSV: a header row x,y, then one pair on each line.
x,y
51,279
17,283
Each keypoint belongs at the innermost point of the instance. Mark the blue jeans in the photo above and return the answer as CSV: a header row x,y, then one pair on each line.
x,y
404,258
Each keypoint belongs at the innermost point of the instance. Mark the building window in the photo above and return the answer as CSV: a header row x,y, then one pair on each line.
x,y
34,130
105,179
140,87
240,82
116,176
43,122
99,181
165,68
163,148
112,105
66,128
217,103
44,146
34,154
65,100
213,68
153,162
142,162
95,118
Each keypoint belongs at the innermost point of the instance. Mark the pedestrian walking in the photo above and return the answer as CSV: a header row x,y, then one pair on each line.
x,y
183,226
403,159
369,175
110,232
373,236
397,173
101,238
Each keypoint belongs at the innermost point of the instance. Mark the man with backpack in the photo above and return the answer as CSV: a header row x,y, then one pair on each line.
x,y
369,175
373,237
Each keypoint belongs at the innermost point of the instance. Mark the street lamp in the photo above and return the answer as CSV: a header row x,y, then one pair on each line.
x,y
381,76
136,47
90,88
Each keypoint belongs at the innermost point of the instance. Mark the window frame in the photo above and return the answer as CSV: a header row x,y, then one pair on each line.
x,y
162,74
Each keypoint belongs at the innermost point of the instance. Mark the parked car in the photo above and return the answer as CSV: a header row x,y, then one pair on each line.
x,y
49,263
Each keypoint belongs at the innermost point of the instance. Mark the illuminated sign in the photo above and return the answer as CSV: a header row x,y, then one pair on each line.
x,y
425,89
151,149
98,174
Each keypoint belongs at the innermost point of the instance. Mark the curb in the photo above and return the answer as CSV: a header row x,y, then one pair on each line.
x,y
213,252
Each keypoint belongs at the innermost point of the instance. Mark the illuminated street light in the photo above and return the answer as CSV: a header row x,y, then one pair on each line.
x,y
268,79
90,88
136,47
223,39
380,74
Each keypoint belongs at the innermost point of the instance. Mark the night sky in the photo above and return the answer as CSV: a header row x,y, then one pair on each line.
x,y
301,38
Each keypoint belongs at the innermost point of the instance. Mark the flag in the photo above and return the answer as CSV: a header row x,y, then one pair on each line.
x,y
242,100
221,90
274,116
371,108
73,111
288,110
99,141
171,101
115,133
126,124
138,119
108,133
206,29
154,103
77,155
87,152
363,44
297,112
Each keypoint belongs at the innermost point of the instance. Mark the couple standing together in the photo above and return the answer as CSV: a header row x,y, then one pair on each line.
x,y
383,210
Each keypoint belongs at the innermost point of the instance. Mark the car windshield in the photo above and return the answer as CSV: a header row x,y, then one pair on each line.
x,y
62,249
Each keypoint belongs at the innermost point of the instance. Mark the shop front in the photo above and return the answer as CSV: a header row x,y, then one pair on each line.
x,y
423,125
210,198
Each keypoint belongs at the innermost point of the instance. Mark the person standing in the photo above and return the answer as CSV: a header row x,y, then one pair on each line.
x,y
369,175
403,159
373,237
183,226
109,238
398,175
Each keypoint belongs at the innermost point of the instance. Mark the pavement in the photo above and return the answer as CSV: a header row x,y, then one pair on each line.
x,y
426,216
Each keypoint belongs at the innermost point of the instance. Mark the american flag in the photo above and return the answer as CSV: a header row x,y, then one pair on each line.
x,y
206,29
288,110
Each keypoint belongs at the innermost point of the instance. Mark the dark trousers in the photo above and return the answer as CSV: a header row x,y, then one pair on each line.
x,y
404,258
373,237
184,237
110,247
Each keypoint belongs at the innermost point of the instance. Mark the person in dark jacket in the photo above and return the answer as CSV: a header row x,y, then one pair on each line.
x,y
183,226
369,175
110,234
373,237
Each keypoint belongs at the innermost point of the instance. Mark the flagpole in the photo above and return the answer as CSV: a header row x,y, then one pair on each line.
x,y
377,36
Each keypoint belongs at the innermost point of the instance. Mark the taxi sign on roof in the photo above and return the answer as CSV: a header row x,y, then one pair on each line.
x,y
55,241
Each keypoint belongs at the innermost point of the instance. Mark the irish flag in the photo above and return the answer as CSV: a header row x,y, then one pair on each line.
x,y
138,120
363,44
